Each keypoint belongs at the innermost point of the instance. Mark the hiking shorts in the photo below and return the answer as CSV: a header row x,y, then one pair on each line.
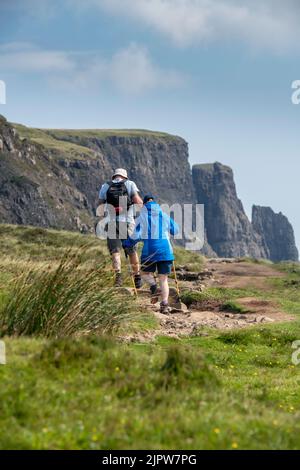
x,y
162,267
117,233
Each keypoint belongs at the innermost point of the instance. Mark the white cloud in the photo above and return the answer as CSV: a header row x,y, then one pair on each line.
x,y
263,23
133,71
130,70
26,57
272,24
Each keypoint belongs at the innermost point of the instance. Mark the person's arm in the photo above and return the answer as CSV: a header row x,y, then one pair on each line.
x,y
173,227
102,200
134,194
134,238
100,209
138,233
136,199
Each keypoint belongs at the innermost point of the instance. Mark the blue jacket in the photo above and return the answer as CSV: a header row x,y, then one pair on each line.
x,y
154,227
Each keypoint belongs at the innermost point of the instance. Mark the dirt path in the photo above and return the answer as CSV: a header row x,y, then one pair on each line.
x,y
219,273
240,275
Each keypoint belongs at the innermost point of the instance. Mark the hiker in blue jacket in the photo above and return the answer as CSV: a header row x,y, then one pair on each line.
x,y
153,228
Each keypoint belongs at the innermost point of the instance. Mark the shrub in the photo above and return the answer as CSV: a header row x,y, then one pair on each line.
x,y
236,337
183,365
65,301
233,307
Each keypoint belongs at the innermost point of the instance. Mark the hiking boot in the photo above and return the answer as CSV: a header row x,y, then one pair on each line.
x,y
118,280
138,281
164,308
154,291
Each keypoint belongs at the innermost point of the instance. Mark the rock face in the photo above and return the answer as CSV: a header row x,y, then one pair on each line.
x,y
277,233
158,163
56,184
51,178
34,189
229,232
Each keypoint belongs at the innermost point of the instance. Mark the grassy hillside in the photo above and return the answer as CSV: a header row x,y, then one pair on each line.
x,y
44,138
35,244
71,141
104,133
213,390
224,391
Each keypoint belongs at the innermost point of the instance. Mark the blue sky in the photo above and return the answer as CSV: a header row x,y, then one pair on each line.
x,y
216,72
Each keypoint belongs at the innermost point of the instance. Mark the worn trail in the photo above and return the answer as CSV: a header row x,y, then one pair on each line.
x,y
226,273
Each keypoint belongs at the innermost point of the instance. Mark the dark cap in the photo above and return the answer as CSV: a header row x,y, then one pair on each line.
x,y
147,198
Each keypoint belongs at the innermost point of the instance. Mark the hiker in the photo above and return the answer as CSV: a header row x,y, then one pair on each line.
x,y
153,228
117,198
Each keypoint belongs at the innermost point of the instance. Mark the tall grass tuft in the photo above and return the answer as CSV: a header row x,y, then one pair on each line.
x,y
184,364
70,299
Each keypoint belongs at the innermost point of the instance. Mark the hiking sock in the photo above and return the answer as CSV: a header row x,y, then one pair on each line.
x,y
150,280
155,292
138,281
153,289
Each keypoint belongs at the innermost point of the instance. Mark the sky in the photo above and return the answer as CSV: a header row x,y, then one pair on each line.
x,y
219,73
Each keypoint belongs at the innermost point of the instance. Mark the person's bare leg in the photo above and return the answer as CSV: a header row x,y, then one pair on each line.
x,y
116,262
164,287
148,278
135,264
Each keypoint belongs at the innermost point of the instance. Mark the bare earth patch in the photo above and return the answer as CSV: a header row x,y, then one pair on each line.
x,y
265,308
235,275
240,275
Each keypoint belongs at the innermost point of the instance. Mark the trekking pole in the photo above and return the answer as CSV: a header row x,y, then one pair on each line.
x,y
176,280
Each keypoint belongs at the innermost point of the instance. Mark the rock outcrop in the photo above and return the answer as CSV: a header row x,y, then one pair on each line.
x,y
56,184
34,188
157,162
277,233
229,232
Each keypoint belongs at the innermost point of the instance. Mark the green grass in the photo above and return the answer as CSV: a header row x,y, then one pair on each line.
x,y
233,389
44,138
285,291
289,268
104,133
194,261
39,244
229,390
56,283
69,300
246,259
234,307
44,292
21,245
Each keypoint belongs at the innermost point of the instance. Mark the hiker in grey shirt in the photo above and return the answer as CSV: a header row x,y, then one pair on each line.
x,y
117,198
